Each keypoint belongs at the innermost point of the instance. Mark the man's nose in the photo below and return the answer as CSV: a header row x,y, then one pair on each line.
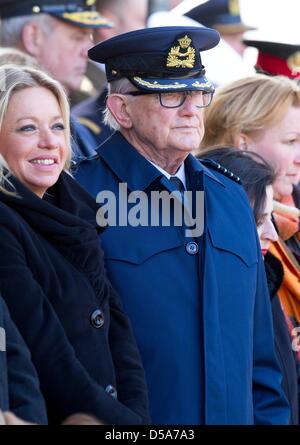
x,y
188,106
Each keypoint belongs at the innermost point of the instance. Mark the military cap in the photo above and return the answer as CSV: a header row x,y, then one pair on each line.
x,y
222,15
158,59
277,58
77,12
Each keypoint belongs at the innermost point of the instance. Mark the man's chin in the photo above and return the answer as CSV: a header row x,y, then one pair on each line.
x,y
188,144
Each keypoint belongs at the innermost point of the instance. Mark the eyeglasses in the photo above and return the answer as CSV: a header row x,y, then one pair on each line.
x,y
201,98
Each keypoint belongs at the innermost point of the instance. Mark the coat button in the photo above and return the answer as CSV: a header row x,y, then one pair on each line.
x,y
192,248
111,391
97,319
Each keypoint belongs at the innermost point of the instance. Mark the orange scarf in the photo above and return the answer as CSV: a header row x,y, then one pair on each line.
x,y
287,225
289,292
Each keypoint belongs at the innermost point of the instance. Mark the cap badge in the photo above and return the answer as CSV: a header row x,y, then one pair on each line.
x,y
293,62
182,55
234,7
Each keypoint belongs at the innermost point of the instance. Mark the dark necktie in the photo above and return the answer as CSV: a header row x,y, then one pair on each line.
x,y
177,183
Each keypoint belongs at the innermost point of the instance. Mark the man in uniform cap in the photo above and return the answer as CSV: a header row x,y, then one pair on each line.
x,y
58,35
197,299
126,15
276,58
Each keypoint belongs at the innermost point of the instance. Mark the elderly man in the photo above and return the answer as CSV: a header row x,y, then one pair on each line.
x,y
194,287
58,35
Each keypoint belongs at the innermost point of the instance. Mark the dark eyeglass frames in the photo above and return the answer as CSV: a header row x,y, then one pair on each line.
x,y
201,98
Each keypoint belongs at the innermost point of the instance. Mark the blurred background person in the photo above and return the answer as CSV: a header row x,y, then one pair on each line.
x,y
224,16
257,178
276,57
162,5
262,114
125,16
58,35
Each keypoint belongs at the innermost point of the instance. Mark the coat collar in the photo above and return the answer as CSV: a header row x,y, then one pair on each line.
x,y
132,168
65,218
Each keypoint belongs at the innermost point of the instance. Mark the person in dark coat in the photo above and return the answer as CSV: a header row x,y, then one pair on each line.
x,y
52,274
257,177
195,290
19,384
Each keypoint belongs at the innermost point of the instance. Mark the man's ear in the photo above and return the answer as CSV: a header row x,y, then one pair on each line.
x,y
32,39
117,105
242,142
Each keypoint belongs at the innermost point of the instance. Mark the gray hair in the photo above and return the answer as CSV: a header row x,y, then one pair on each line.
x,y
17,78
121,86
13,56
11,28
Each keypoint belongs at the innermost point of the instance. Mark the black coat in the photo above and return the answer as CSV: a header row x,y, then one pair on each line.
x,y
19,385
283,342
53,279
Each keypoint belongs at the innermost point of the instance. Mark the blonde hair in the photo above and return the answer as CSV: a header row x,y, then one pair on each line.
x,y
15,78
248,106
13,56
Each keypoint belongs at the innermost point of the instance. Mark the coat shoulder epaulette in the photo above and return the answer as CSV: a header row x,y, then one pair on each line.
x,y
75,162
209,163
91,125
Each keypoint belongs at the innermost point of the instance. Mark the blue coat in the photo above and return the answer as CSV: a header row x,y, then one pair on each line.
x,y
200,312
83,141
90,114
19,384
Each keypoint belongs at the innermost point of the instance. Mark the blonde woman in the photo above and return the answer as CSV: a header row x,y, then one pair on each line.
x,y
51,264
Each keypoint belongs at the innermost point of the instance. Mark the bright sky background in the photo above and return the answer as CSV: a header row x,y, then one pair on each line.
x,y
276,19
